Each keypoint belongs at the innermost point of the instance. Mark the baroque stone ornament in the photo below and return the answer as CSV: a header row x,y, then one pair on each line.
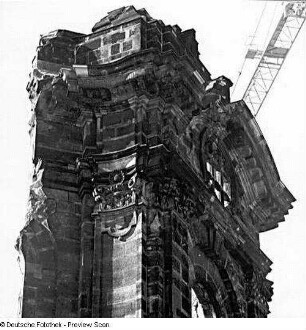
x,y
150,188
120,193
121,230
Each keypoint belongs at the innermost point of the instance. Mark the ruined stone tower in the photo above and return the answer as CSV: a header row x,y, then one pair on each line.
x,y
150,188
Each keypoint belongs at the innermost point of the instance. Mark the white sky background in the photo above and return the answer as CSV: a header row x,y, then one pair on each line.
x,y
222,29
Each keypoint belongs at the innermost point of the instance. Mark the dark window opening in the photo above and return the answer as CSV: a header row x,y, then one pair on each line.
x,y
115,49
127,45
219,183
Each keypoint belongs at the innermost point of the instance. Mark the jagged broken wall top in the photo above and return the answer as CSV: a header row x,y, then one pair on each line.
x,y
130,51
122,32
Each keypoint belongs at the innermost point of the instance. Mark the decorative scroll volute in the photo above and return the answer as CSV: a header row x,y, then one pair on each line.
x,y
120,226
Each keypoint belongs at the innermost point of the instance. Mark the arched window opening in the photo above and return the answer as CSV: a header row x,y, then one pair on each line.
x,y
203,309
217,172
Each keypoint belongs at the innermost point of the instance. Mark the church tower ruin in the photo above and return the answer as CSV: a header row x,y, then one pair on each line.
x,y
150,187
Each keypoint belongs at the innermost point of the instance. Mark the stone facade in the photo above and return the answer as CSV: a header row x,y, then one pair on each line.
x,y
150,188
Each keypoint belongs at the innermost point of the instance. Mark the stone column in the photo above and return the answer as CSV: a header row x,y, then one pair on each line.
x,y
87,240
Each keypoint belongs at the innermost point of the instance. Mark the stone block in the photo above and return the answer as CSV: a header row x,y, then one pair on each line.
x,y
30,292
118,144
71,232
29,310
111,119
121,295
124,130
69,246
65,305
73,197
57,194
127,115
108,133
47,259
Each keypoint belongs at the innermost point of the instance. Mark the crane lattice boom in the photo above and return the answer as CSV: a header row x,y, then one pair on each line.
x,y
272,59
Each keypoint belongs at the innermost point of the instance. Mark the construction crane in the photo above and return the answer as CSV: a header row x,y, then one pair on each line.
x,y
273,55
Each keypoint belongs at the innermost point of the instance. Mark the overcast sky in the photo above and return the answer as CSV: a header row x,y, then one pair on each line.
x,y
222,29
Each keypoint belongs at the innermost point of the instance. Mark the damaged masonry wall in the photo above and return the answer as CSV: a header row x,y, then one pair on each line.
x,y
150,188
